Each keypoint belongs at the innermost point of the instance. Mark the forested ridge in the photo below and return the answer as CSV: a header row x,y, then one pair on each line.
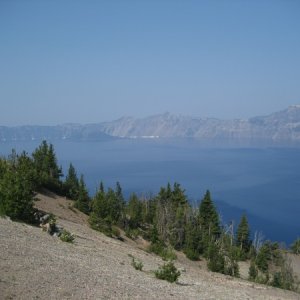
x,y
167,220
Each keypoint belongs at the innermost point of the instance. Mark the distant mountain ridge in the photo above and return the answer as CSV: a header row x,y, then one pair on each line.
x,y
279,128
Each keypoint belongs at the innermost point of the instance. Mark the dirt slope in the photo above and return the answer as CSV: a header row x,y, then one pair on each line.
x,y
35,265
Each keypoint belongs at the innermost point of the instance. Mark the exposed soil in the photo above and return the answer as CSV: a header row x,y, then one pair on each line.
x,y
35,265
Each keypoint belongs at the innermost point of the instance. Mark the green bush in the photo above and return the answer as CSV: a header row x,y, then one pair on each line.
x,y
262,259
285,278
191,254
138,265
101,225
296,246
231,267
216,260
252,271
66,236
52,223
132,233
167,272
115,232
164,252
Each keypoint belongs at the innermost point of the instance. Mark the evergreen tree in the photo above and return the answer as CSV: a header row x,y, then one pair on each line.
x,y
101,187
243,234
3,167
231,261
252,271
47,171
99,218
107,209
114,212
16,188
296,246
134,211
171,215
149,210
180,210
208,218
100,207
71,184
163,213
55,171
263,257
83,200
216,260
193,239
119,205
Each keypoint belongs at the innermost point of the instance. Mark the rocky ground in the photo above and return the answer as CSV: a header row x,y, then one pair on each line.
x,y
35,265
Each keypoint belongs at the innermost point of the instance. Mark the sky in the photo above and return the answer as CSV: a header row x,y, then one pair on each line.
x,y
90,61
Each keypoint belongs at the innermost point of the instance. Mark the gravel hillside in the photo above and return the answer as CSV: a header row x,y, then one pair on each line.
x,y
35,265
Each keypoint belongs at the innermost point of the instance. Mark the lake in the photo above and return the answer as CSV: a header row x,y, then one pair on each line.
x,y
264,183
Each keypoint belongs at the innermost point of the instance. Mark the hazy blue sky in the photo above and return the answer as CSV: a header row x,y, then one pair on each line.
x,y
91,61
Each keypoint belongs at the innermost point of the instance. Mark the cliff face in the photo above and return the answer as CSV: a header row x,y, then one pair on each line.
x,y
280,128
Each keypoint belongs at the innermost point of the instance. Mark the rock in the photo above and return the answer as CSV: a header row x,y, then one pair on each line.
x,y
45,218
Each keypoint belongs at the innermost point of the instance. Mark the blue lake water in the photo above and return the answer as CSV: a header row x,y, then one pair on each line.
x,y
264,183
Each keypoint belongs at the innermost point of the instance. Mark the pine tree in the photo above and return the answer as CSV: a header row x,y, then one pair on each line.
x,y
208,217
243,235
193,239
99,218
107,209
216,260
119,205
16,188
114,205
263,257
101,187
149,210
83,200
71,183
252,271
47,171
178,220
171,215
163,212
134,210
55,171
296,246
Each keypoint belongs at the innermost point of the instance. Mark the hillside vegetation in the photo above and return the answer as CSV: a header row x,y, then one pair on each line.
x,y
164,227
35,265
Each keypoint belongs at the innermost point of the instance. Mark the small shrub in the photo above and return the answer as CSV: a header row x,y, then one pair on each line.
x,y
52,223
101,225
137,264
167,272
191,254
164,252
115,232
132,233
66,236
231,268
285,278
